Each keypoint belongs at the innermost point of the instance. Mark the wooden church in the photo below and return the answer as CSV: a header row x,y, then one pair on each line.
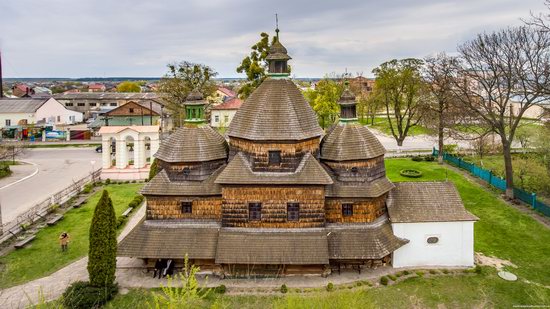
x,y
278,197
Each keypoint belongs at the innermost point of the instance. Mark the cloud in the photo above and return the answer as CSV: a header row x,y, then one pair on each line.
x,y
63,38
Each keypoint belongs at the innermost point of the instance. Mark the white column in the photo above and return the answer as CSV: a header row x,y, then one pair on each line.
x,y
154,146
106,152
121,154
139,153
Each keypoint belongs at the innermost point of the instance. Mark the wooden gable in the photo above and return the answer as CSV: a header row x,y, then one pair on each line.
x,y
131,109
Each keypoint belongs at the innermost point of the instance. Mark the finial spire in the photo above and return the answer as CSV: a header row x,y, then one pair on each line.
x,y
277,26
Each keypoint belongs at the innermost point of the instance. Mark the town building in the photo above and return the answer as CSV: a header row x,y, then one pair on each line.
x,y
222,94
128,114
96,87
281,197
88,102
222,114
29,111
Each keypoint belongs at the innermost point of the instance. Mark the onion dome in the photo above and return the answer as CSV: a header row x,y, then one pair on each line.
x,y
275,111
277,51
194,107
277,59
192,144
350,142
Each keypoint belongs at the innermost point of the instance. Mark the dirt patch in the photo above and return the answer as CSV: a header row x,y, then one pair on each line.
x,y
492,261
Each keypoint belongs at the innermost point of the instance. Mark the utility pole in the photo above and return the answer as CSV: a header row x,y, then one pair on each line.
x,y
1,80
150,113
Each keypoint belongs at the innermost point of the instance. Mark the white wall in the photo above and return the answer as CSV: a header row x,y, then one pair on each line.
x,y
52,109
221,114
15,118
454,248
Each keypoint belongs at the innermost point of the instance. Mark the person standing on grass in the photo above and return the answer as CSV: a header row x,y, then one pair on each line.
x,y
64,241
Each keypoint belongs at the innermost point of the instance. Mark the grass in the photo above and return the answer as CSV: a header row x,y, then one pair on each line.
x,y
502,231
381,124
44,256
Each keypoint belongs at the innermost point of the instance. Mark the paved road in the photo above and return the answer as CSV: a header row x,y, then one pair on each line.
x,y
57,168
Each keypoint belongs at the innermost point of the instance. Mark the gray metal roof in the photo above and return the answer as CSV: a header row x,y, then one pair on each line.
x,y
193,144
20,105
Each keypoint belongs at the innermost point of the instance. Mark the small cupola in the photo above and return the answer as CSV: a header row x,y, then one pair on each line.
x,y
348,105
277,58
194,107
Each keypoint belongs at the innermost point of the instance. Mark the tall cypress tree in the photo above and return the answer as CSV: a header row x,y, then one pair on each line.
x,y
103,244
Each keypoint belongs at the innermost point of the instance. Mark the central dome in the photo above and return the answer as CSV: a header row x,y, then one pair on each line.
x,y
275,111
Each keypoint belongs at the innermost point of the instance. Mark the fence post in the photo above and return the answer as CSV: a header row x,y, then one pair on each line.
x,y
534,200
490,177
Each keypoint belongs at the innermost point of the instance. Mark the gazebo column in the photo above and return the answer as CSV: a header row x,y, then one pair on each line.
x,y
139,153
106,152
154,147
121,154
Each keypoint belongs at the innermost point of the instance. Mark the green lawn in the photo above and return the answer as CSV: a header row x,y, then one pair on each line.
x,y
381,124
44,256
502,231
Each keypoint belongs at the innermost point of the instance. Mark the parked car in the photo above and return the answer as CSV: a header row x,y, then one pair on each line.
x,y
99,148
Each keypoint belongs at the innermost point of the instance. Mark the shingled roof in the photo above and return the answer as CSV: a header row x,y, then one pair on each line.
x,y
171,239
309,172
275,111
272,246
193,144
350,142
362,241
20,105
162,185
374,188
426,202
277,51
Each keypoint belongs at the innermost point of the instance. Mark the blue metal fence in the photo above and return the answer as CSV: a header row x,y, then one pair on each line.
x,y
497,182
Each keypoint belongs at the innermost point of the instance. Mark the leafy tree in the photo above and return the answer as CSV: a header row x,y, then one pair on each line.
x,y
128,86
103,244
501,68
180,80
154,169
401,88
254,66
324,100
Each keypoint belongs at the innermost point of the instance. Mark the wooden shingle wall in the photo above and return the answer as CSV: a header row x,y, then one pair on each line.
x,y
169,207
363,210
257,153
197,170
367,170
274,201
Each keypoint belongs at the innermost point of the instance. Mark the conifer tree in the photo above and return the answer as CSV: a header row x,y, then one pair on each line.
x,y
103,243
154,169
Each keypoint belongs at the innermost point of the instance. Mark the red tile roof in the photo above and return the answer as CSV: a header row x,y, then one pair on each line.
x,y
227,92
234,103
96,86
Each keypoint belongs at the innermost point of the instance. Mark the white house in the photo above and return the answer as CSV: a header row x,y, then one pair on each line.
x,y
31,111
433,218
222,114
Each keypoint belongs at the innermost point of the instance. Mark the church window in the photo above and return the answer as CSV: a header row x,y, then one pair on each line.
x,y
187,207
293,211
274,157
255,211
347,210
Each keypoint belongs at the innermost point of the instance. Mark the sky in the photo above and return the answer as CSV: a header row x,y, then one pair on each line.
x,y
137,38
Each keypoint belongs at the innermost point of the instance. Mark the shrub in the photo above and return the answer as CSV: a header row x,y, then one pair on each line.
x,y
133,181
399,274
420,273
54,207
429,158
384,280
25,226
330,286
102,249
220,289
284,289
451,148
127,181
433,271
417,158
108,181
406,272
83,295
392,277
154,169
88,188
445,271
120,221
411,173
